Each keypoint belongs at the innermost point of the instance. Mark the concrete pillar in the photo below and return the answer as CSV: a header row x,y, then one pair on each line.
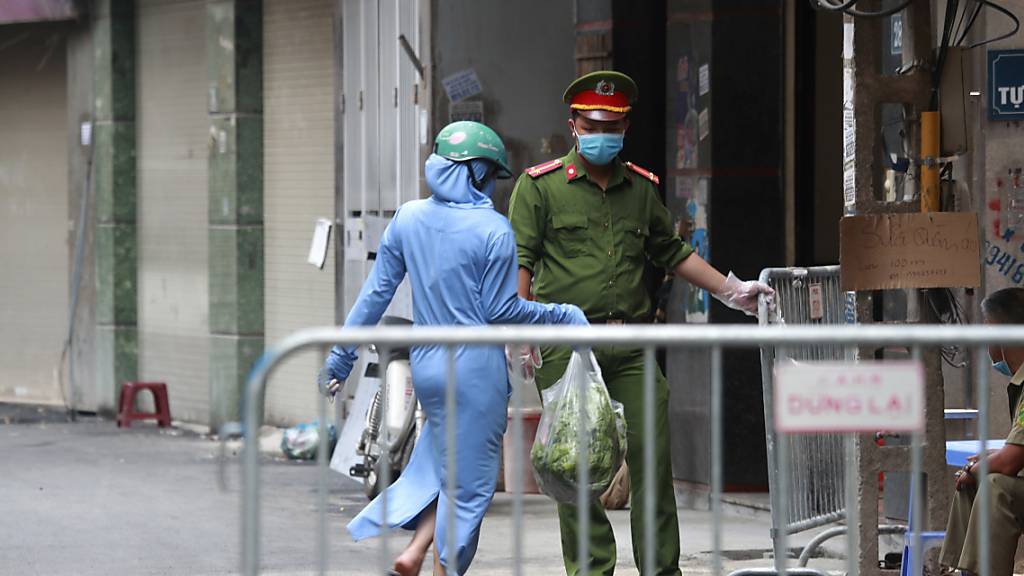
x,y
234,44
113,32
865,90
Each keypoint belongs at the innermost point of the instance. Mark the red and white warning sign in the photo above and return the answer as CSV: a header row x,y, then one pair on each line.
x,y
841,397
815,301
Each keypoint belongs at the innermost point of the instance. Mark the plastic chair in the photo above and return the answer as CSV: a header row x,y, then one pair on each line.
x,y
928,540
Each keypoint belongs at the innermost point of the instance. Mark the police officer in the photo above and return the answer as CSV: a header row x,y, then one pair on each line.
x,y
961,548
585,225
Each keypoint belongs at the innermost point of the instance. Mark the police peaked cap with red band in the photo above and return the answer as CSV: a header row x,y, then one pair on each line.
x,y
603,95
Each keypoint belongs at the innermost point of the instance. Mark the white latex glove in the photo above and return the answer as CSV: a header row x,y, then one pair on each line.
x,y
740,295
524,358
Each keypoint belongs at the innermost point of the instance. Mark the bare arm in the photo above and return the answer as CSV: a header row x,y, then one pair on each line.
x,y
698,272
730,290
1008,460
525,280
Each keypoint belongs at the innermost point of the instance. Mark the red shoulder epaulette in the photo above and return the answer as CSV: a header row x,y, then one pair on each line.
x,y
541,169
645,173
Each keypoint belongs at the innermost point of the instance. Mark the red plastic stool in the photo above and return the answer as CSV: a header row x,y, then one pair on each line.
x,y
126,412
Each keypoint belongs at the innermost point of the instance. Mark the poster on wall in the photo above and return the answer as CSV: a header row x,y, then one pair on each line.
x,y
698,301
688,85
471,110
462,85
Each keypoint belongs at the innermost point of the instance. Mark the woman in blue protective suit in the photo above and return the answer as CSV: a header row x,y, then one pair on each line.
x,y
460,255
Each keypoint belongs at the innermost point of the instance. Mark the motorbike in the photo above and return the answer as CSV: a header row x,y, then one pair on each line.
x,y
401,416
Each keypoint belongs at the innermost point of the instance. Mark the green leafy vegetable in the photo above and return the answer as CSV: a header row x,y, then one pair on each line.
x,y
556,450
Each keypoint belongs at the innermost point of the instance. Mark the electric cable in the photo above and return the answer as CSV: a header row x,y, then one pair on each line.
x,y
76,282
1010,15
67,350
947,310
901,163
970,23
846,7
959,23
827,5
952,7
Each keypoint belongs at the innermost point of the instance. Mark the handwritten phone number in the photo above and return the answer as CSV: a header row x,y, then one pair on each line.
x,y
996,257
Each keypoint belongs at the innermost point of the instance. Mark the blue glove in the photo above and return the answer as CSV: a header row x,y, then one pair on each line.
x,y
328,387
574,316
339,364
337,367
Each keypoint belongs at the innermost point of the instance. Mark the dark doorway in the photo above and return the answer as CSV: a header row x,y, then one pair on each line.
x,y
819,135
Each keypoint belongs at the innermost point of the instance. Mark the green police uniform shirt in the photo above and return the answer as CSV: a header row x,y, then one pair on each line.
x,y
587,246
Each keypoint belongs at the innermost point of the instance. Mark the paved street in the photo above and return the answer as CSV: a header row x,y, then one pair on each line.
x,y
85,498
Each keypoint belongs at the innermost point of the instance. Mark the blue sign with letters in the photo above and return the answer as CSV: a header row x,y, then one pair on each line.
x,y
1006,84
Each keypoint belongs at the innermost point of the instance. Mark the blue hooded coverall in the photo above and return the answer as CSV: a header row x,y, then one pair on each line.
x,y
460,255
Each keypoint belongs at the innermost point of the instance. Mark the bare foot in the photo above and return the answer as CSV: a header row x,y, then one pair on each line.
x,y
410,561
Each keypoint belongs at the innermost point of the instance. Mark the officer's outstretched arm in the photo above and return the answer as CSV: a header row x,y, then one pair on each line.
x,y
698,272
731,291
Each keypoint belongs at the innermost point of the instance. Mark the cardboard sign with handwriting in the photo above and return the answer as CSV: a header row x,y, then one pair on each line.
x,y
915,250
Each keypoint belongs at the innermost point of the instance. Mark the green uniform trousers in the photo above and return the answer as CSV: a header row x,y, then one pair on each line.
x,y
623,372
961,548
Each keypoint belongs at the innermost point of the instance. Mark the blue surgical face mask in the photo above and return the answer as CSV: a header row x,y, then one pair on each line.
x,y
600,149
1002,367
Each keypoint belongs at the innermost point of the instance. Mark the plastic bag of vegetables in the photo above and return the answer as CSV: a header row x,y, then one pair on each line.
x,y
557,447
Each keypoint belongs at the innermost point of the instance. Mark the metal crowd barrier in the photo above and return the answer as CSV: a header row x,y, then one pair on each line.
x,y
805,296
715,337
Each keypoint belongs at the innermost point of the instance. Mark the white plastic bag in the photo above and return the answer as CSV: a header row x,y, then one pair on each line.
x,y
302,442
556,449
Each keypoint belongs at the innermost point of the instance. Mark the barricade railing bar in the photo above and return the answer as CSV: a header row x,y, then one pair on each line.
x,y
806,296
648,337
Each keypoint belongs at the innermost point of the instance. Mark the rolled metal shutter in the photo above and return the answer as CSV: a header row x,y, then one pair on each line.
x,y
34,215
298,165
172,135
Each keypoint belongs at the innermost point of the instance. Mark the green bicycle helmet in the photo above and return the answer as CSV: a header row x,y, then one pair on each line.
x,y
466,140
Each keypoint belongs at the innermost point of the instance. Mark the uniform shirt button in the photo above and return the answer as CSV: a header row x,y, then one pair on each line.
x,y
605,224
610,252
611,282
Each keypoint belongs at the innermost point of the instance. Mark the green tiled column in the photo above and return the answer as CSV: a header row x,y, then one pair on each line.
x,y
113,33
235,65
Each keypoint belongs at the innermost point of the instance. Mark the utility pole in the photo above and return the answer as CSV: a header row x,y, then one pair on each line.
x,y
866,88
